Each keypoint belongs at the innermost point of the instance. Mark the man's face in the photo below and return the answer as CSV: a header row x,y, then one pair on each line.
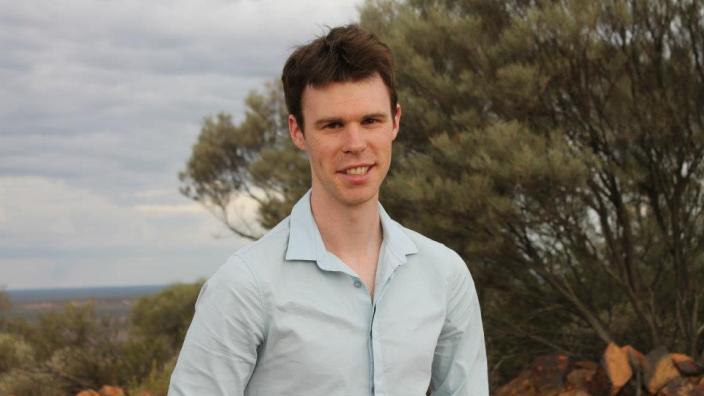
x,y
349,129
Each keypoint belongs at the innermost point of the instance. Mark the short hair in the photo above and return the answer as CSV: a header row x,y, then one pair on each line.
x,y
346,53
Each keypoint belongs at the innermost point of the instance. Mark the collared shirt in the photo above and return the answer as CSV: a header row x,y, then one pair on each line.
x,y
284,316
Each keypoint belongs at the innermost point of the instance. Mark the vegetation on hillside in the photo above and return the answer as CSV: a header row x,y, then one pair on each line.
x,y
68,351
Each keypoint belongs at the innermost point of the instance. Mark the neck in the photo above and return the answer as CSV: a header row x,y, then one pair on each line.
x,y
348,231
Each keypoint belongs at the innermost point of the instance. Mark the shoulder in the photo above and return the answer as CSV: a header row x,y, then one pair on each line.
x,y
432,249
247,265
267,251
274,242
436,256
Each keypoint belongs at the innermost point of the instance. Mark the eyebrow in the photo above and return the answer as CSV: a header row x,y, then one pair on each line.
x,y
323,121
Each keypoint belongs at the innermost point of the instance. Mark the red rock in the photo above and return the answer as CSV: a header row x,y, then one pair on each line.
x,y
108,390
549,373
581,377
88,392
636,358
685,364
618,368
586,364
575,392
600,384
681,387
660,370
519,386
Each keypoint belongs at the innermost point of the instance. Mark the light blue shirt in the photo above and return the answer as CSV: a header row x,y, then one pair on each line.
x,y
284,316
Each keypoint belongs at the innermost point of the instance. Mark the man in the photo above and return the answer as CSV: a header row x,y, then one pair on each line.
x,y
338,299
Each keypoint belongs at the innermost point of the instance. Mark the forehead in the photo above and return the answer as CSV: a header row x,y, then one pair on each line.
x,y
346,99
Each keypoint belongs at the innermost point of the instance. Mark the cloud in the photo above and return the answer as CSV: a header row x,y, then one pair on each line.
x,y
46,225
100,104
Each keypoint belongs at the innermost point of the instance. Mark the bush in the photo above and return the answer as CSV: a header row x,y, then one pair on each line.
x,y
27,382
75,349
168,313
15,352
157,382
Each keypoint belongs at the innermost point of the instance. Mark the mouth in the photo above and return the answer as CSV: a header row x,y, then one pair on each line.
x,y
357,170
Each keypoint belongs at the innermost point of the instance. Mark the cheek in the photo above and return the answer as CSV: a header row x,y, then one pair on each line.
x,y
322,156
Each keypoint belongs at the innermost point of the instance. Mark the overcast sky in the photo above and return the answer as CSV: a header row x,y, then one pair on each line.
x,y
100,103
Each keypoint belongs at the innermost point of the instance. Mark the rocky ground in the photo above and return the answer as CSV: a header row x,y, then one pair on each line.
x,y
622,371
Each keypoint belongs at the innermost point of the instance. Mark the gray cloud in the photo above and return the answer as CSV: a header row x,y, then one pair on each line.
x,y
99,106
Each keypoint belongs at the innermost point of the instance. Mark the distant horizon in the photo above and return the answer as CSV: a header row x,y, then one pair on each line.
x,y
123,286
20,297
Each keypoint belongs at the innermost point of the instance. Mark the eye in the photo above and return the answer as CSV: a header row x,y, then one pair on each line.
x,y
370,121
333,125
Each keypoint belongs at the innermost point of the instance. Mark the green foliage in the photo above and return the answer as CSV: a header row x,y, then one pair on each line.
x,y
77,326
139,356
564,163
15,352
5,303
166,314
254,160
158,328
5,306
31,382
62,353
157,381
75,349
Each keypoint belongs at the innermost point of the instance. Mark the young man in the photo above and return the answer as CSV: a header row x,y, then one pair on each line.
x,y
338,299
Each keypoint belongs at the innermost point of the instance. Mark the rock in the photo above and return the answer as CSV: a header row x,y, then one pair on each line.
x,y
681,387
586,364
519,386
660,370
88,392
108,390
636,358
549,373
685,364
618,368
600,384
575,392
581,377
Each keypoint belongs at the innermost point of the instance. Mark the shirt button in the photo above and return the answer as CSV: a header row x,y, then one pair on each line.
x,y
357,283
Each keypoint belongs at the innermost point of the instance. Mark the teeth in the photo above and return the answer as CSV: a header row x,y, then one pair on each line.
x,y
360,170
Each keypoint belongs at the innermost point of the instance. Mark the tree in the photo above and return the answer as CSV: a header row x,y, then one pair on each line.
x,y
165,314
254,160
557,146
63,352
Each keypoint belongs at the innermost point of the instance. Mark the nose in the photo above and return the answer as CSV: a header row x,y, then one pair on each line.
x,y
354,139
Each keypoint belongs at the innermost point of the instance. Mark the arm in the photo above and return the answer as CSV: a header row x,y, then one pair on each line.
x,y
459,364
220,349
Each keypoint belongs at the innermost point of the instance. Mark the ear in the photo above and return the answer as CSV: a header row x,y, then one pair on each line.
x,y
296,132
397,122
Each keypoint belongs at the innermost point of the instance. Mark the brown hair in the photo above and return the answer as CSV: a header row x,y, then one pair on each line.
x,y
346,53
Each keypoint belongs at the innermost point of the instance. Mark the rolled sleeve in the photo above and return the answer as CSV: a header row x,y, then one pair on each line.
x,y
459,363
220,350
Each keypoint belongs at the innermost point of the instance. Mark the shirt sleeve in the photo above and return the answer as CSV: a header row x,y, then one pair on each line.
x,y
460,364
220,349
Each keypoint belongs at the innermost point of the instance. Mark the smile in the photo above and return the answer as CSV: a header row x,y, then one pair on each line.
x,y
359,170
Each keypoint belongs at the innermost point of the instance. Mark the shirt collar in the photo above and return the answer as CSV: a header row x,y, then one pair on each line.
x,y
306,243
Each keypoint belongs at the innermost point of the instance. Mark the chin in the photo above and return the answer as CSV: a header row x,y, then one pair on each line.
x,y
358,198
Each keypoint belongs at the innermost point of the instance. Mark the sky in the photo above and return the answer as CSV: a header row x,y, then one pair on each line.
x,y
100,104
